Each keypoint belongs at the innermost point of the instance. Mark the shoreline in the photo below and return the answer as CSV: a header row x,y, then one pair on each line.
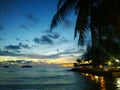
x,y
97,72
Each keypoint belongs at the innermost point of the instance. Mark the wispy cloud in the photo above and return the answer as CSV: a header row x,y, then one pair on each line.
x,y
68,53
30,21
63,39
24,26
31,17
54,35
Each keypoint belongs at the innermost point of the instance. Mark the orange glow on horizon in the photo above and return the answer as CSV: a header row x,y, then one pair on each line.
x,y
64,62
67,65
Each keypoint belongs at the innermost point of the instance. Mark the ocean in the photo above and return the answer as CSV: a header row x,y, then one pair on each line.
x,y
49,78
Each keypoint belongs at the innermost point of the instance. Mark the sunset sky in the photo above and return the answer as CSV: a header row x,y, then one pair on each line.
x,y
25,34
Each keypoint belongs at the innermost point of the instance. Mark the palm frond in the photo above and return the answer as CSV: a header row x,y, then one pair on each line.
x,y
77,8
60,3
82,22
66,8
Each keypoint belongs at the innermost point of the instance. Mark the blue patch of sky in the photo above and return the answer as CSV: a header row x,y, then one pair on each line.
x,y
18,25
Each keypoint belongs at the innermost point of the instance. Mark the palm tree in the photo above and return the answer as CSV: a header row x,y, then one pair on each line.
x,y
98,56
65,7
79,61
100,17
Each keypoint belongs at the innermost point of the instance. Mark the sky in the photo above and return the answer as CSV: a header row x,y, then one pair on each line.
x,y
25,34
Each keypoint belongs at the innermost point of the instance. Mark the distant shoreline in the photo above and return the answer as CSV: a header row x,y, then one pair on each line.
x,y
97,72
26,66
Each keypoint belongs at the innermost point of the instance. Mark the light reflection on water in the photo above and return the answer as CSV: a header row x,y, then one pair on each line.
x,y
53,79
105,83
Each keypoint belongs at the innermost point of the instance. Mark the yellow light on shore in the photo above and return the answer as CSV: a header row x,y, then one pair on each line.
x,y
67,65
100,66
109,63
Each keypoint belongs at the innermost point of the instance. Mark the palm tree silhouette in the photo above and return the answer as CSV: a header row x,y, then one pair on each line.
x,y
79,61
100,17
98,56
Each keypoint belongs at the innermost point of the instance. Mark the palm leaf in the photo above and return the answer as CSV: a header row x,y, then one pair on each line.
x,y
82,21
66,8
60,3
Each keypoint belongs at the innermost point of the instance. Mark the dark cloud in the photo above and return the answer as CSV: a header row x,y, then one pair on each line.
x,y
55,36
19,61
37,40
13,47
24,26
48,38
7,53
31,17
43,40
17,48
24,46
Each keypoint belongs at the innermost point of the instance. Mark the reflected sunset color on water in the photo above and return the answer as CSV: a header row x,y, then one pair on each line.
x,y
53,78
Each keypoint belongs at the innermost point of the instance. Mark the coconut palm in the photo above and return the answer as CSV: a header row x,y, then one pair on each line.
x,y
100,17
79,61
65,7
98,55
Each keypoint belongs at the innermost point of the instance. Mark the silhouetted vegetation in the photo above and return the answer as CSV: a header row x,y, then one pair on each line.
x,y
97,55
101,18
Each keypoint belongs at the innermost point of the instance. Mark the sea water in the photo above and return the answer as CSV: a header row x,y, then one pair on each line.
x,y
39,78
